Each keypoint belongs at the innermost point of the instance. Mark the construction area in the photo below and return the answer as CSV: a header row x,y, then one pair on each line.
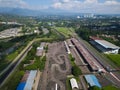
x,y
56,69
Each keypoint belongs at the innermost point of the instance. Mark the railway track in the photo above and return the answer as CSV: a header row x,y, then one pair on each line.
x,y
13,66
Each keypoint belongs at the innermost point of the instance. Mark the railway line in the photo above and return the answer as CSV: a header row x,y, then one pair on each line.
x,y
112,76
93,64
8,71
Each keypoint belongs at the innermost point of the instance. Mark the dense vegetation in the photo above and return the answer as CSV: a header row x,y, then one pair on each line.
x,y
10,49
12,83
76,71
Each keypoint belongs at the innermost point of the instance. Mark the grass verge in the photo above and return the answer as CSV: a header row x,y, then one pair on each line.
x,y
110,88
115,58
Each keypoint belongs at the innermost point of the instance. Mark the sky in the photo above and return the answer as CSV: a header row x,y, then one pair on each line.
x,y
80,6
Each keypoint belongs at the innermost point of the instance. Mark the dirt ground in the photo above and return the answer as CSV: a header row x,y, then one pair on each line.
x,y
56,69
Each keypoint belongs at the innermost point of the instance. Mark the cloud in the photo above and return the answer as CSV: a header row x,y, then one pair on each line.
x,y
82,6
13,3
91,1
66,0
90,6
111,2
57,5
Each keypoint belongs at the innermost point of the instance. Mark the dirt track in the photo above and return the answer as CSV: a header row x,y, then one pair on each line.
x,y
57,68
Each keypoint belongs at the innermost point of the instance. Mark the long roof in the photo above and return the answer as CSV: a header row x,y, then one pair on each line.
x,y
89,58
30,80
73,83
107,44
92,80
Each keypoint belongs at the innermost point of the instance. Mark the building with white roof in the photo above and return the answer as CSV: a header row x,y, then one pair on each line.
x,y
74,84
40,49
105,46
30,80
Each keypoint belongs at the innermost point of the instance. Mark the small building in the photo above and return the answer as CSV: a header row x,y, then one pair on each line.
x,y
67,48
104,46
40,49
74,84
92,81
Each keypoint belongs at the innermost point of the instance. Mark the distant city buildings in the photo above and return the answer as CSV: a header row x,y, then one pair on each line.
x,y
89,15
78,17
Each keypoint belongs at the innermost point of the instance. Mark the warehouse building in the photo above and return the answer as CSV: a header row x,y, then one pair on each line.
x,y
74,84
92,81
29,81
104,46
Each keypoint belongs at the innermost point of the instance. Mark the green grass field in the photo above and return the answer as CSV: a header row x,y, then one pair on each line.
x,y
12,56
67,32
114,58
110,88
68,84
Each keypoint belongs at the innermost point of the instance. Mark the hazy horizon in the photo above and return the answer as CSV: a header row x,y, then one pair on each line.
x,y
73,6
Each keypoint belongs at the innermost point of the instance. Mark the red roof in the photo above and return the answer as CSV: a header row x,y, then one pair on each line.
x,y
95,38
24,78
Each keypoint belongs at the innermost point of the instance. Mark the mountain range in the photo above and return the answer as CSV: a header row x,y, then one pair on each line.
x,y
28,12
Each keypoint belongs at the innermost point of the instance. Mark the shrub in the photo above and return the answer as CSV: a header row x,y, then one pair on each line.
x,y
76,71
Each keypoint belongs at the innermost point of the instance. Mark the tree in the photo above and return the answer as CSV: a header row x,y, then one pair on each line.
x,y
76,71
